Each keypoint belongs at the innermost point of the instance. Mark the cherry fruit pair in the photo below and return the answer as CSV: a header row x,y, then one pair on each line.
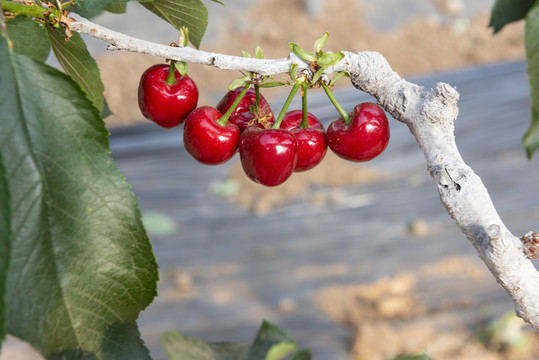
x,y
270,156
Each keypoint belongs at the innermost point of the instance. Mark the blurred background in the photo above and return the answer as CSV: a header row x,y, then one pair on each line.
x,y
355,261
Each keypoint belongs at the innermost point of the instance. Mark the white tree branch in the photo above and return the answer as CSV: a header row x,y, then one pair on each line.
x,y
430,115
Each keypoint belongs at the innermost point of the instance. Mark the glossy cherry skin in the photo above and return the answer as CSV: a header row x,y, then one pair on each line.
x,y
268,157
166,105
242,115
312,145
364,137
206,140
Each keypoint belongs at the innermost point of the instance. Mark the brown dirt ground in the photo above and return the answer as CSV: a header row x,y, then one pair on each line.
x,y
388,316
394,316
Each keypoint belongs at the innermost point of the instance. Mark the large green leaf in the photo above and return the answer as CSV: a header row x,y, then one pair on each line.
x,y
190,13
531,138
117,8
5,244
507,11
76,60
81,265
29,38
98,5
270,343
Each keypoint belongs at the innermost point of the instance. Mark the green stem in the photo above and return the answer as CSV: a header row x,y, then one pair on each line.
x,y
304,122
280,118
28,10
342,112
171,78
257,97
224,119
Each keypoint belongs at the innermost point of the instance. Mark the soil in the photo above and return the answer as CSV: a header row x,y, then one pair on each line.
x,y
395,315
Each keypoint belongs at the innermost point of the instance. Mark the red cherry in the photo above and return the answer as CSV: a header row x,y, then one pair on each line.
x,y
166,105
241,116
364,137
311,140
268,157
208,141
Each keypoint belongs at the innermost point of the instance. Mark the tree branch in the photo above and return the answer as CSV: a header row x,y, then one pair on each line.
x,y
430,115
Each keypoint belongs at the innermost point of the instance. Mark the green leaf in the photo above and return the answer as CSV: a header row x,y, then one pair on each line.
x,y
79,63
189,13
5,245
245,54
531,138
294,71
29,38
117,8
81,265
272,84
302,355
317,75
506,11
98,5
338,76
259,53
234,84
329,59
182,67
106,110
302,54
270,343
319,43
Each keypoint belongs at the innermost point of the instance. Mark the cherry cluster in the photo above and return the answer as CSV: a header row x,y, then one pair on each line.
x,y
270,148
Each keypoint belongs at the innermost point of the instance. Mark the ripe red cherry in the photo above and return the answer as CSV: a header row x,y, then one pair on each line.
x,y
242,115
166,105
208,141
364,137
311,140
268,157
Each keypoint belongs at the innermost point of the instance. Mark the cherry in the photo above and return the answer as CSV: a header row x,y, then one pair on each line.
x,y
206,139
268,157
364,137
311,140
166,104
242,115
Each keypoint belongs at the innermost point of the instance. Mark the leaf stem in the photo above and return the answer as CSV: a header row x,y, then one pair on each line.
x,y
280,118
340,109
224,119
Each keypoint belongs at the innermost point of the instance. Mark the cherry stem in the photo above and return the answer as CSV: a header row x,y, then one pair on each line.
x,y
224,119
171,78
280,118
342,112
304,121
257,97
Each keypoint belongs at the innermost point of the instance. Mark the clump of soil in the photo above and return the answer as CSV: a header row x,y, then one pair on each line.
x,y
397,315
